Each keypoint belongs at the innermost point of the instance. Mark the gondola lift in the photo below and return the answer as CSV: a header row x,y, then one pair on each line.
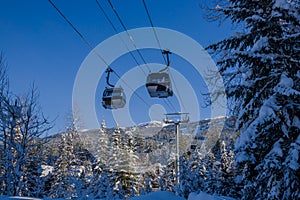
x,y
158,84
113,97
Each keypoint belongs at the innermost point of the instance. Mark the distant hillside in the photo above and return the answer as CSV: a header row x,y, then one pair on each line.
x,y
155,141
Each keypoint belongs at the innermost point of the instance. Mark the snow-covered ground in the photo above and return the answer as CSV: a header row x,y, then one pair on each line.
x,y
16,198
164,195
205,196
159,195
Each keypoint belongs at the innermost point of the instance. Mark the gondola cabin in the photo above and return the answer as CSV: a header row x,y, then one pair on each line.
x,y
113,98
159,85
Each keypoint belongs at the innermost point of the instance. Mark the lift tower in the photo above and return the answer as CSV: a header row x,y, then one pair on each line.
x,y
177,118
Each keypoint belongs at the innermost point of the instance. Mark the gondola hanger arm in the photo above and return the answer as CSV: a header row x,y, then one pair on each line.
x,y
108,71
166,52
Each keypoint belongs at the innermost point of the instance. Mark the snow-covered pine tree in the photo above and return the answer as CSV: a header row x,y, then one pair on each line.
x,y
123,161
80,164
186,177
117,161
150,181
34,185
115,152
226,174
140,142
101,188
73,165
100,168
193,174
199,171
94,188
260,65
148,186
212,167
169,174
61,186
103,142
130,167
216,150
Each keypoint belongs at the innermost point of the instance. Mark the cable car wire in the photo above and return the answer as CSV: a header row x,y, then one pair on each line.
x,y
162,51
132,90
168,103
116,32
154,31
92,48
98,55
126,30
177,91
77,31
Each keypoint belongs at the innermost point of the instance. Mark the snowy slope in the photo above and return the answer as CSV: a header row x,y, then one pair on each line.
x,y
159,195
205,196
17,198
164,195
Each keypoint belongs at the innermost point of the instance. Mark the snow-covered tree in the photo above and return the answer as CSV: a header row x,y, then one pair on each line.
x,y
130,164
21,125
261,68
169,177
140,142
34,185
72,167
100,185
103,142
61,186
212,167
226,173
116,152
148,185
119,164
3,95
186,177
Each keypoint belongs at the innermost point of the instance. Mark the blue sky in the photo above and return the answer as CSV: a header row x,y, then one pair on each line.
x,y
40,47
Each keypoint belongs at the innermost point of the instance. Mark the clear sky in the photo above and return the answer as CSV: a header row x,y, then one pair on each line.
x,y
40,47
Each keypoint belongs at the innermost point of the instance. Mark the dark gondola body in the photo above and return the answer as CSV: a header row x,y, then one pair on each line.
x,y
159,85
113,98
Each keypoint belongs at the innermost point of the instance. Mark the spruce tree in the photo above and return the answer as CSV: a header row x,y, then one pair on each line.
x,y
72,166
96,188
186,177
34,185
61,186
103,150
260,66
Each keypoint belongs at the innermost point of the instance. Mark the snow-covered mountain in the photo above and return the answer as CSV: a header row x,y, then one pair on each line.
x,y
158,138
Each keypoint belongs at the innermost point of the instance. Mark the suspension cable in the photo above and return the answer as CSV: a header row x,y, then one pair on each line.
x,y
129,36
77,31
94,51
154,31
132,89
170,104
116,32
177,91
162,52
